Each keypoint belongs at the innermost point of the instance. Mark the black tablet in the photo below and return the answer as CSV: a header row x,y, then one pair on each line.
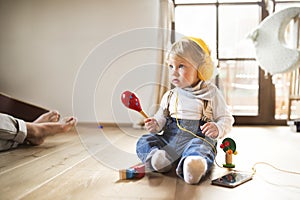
x,y
232,179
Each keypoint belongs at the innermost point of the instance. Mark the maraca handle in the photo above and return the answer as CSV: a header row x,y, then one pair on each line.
x,y
144,114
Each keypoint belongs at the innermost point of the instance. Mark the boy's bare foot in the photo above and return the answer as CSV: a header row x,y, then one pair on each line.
x,y
38,131
51,116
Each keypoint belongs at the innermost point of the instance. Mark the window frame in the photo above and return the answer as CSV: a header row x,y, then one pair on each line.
x,y
266,109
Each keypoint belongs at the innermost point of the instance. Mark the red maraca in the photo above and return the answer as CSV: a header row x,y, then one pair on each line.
x,y
131,101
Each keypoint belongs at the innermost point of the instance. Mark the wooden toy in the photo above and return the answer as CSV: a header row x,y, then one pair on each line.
x,y
134,172
229,147
131,101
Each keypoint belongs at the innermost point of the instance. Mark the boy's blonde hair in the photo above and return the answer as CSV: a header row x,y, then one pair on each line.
x,y
196,52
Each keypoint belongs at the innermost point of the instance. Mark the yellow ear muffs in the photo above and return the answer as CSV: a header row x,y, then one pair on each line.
x,y
206,70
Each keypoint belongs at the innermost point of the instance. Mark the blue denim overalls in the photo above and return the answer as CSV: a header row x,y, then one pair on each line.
x,y
178,144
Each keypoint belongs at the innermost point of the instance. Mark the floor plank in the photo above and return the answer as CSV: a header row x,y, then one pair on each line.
x,y
22,180
26,154
84,165
92,180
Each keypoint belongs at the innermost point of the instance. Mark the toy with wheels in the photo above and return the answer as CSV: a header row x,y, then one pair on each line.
x,y
134,172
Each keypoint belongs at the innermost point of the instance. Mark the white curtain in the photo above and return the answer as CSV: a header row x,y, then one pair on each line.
x,y
165,19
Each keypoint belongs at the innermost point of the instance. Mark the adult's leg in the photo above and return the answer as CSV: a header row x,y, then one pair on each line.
x,y
37,132
51,116
12,132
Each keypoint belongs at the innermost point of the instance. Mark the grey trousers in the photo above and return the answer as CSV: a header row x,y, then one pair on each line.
x,y
13,132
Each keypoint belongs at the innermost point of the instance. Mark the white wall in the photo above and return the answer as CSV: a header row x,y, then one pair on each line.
x,y
47,48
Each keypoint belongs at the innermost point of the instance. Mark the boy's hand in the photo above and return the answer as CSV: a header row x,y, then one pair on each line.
x,y
151,125
210,129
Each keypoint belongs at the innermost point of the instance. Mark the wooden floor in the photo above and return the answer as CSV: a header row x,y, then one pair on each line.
x,y
84,164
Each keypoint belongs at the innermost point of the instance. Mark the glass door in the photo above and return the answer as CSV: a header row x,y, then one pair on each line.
x,y
254,96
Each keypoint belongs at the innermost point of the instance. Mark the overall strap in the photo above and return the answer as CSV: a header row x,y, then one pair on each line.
x,y
204,117
166,110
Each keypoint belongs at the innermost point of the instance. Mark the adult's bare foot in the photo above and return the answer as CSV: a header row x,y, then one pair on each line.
x,y
37,132
51,116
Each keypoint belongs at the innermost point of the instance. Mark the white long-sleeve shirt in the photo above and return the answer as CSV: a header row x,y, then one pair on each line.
x,y
190,105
